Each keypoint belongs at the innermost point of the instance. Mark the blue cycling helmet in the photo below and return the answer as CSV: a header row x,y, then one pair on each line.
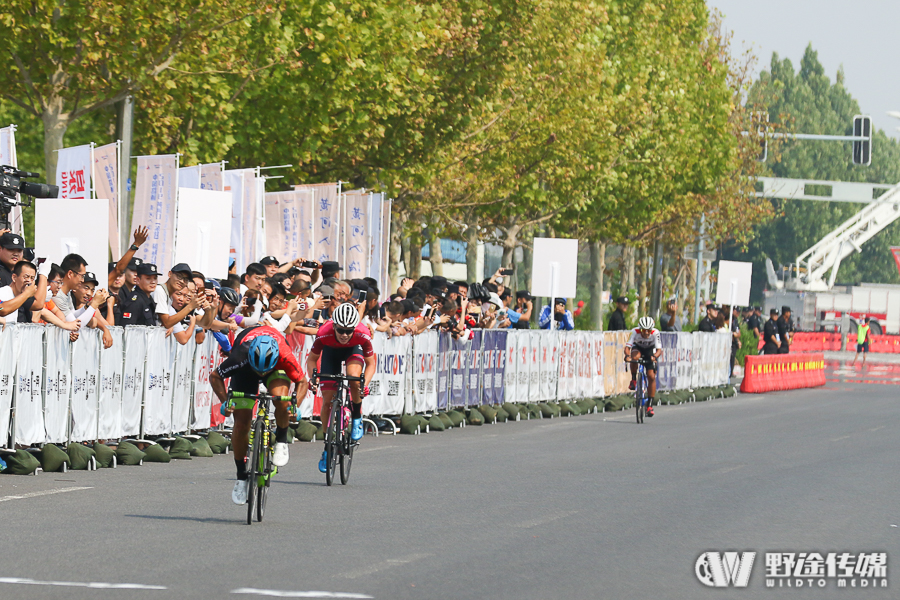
x,y
263,354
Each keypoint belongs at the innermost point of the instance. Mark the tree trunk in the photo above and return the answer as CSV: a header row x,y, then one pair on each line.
x,y
643,275
398,220
415,258
509,251
55,124
436,257
598,265
629,268
524,276
471,235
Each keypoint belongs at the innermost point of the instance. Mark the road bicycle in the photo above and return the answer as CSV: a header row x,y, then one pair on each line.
x,y
260,468
339,446
640,389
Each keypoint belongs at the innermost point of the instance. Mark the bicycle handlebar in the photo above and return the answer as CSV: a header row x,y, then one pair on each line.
x,y
261,396
316,376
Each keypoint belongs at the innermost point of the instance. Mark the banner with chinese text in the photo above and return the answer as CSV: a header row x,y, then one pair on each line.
x,y
73,172
106,186
154,208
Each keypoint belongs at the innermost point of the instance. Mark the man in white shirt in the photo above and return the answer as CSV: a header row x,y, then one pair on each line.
x,y
19,294
178,278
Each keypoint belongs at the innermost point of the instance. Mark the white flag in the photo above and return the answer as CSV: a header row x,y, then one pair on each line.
x,y
8,157
106,183
154,207
73,172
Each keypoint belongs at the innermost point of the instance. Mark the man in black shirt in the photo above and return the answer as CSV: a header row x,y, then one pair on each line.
x,y
785,330
770,334
12,247
708,323
753,322
137,307
617,318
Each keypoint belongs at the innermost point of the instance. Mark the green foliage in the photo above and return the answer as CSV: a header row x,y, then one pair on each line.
x,y
806,101
749,345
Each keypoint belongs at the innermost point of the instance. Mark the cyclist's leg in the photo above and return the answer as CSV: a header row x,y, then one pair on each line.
x,y
279,384
635,354
354,369
243,418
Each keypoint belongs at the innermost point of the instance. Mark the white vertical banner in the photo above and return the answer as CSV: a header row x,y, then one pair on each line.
x,y
249,218
106,187
204,358
233,183
111,371
385,248
260,242
133,374
211,177
325,220
534,366
511,373
85,391
306,205
8,157
182,375
356,234
155,198
549,365
56,385
283,228
158,384
596,352
562,373
73,172
189,177
425,349
374,224
29,377
7,378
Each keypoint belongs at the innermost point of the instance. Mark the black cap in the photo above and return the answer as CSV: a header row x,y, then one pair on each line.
x,y
623,300
759,308
452,288
438,293
89,277
523,294
268,260
785,309
330,267
12,241
147,269
134,263
773,312
110,268
182,268
712,306
560,301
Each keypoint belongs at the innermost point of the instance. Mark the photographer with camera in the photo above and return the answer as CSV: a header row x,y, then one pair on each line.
x,y
560,319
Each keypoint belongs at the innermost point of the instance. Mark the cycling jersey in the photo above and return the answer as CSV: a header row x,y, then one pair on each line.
x,y
237,365
644,343
327,338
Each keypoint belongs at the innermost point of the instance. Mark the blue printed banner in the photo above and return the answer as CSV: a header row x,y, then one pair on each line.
x,y
668,362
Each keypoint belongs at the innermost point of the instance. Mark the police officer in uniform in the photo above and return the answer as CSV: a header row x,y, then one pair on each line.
x,y
785,329
708,323
137,307
753,323
13,248
617,318
770,334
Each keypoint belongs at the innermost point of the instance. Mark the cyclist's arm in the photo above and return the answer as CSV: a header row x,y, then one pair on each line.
x,y
312,361
218,386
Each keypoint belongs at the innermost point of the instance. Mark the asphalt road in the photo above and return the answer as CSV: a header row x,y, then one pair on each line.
x,y
585,507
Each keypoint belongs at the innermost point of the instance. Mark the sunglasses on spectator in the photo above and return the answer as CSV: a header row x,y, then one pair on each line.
x,y
342,331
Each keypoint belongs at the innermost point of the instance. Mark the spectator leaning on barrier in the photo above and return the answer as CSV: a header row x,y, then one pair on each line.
x,y
177,279
771,341
17,298
708,323
520,317
785,330
183,330
560,318
86,297
617,318
137,307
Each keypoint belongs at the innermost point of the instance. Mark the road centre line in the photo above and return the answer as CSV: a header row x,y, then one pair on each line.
x,y
386,564
97,585
289,594
44,493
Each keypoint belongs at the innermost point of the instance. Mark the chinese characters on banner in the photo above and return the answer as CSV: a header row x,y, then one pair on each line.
x,y
106,183
8,157
326,220
356,234
73,172
201,177
154,208
283,225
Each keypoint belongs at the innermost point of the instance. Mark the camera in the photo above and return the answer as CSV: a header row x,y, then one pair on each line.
x,y
507,272
309,264
11,184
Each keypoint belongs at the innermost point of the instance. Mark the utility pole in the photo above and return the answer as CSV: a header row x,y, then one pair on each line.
x,y
700,249
125,132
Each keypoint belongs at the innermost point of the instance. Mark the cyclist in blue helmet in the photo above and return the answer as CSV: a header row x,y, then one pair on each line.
x,y
260,355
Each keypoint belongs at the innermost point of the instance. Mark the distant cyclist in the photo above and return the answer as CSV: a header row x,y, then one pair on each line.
x,y
343,340
260,355
644,343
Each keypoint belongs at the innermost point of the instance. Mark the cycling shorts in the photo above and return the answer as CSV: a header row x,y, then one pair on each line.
x,y
647,355
333,360
247,382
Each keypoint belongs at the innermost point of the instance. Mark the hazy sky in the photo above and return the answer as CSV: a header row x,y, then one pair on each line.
x,y
861,35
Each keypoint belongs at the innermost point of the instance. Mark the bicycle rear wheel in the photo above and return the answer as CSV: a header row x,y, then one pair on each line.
x,y
639,398
253,469
347,457
265,464
332,439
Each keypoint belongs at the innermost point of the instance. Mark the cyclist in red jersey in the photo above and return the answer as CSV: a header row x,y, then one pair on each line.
x,y
343,339
260,355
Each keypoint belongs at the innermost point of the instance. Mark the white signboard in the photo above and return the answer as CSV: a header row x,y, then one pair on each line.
x,y
64,227
734,283
554,268
203,231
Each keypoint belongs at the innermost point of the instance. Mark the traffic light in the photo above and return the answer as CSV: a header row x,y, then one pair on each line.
x,y
862,150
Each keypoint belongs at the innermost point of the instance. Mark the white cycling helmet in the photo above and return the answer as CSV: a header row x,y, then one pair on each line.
x,y
346,316
646,323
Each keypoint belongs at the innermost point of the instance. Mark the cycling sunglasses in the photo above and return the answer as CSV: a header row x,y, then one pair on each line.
x,y
344,331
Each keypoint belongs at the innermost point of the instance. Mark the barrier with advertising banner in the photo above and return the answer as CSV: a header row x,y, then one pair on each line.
x,y
778,372
149,384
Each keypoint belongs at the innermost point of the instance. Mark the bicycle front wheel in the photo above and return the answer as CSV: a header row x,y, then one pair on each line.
x,y
253,470
332,440
263,480
346,458
639,399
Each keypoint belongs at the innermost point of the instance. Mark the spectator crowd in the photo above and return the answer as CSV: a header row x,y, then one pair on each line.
x,y
293,296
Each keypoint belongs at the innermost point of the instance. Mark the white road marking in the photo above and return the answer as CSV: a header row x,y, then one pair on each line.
x,y
97,585
386,564
44,493
375,449
545,520
289,594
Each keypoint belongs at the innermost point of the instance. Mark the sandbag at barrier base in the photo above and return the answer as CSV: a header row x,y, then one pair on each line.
x,y
770,373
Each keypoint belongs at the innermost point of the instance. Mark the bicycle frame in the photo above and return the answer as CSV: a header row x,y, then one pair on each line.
x,y
338,445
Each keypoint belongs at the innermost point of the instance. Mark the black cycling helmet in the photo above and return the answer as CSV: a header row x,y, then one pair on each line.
x,y
229,296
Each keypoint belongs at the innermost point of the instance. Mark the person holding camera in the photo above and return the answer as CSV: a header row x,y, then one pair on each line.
x,y
560,318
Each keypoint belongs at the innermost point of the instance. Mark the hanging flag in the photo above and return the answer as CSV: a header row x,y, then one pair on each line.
x,y
106,184
233,182
8,157
73,172
356,234
201,177
154,207
283,225
326,220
